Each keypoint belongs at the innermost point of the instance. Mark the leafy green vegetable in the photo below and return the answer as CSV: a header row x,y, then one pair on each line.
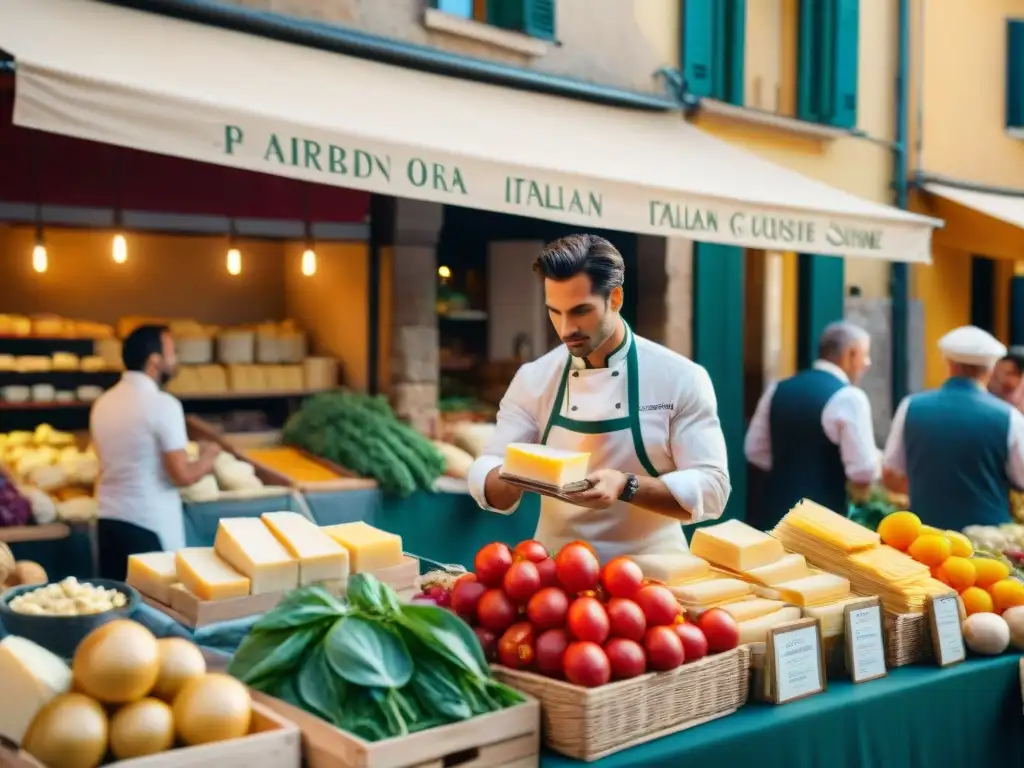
x,y
319,689
370,596
366,653
272,655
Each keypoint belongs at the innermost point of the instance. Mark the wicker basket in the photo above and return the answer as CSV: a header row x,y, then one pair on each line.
x,y
908,639
591,723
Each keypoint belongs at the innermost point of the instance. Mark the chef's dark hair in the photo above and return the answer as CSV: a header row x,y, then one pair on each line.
x,y
144,341
591,255
1016,359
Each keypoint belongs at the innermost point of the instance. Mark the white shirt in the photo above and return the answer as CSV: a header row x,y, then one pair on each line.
x,y
895,457
679,423
845,419
133,424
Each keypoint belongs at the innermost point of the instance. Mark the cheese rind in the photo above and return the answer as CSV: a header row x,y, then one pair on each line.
x,y
788,568
756,630
369,548
320,557
711,591
672,568
203,573
545,465
816,589
153,573
248,546
31,677
736,546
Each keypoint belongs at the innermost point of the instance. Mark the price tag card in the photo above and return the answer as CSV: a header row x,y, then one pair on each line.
x,y
865,640
795,665
947,637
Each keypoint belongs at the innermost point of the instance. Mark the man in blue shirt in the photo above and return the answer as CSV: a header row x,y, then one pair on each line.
x,y
958,450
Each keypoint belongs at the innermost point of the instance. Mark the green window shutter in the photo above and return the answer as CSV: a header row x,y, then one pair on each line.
x,y
820,301
713,48
828,62
846,70
1015,73
808,60
732,23
535,18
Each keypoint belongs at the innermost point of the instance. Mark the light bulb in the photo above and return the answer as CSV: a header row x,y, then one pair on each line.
x,y
443,272
309,262
234,261
120,251
39,259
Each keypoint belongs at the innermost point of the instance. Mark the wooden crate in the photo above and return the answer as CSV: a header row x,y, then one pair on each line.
x,y
274,742
506,739
591,723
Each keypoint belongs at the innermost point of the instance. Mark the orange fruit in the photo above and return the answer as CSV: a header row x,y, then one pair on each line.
x,y
962,546
988,570
976,600
927,530
937,573
957,572
930,549
1007,593
899,529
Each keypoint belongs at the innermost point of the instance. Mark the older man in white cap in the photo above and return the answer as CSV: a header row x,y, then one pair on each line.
x,y
958,450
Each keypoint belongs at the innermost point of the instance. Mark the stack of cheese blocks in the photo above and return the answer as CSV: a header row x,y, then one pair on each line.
x,y
272,554
545,466
833,542
767,587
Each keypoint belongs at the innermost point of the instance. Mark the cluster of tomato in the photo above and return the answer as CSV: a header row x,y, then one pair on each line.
x,y
567,617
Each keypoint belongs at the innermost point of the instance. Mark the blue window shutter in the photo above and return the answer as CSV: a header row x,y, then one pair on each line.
x,y
732,38
845,70
1015,73
535,18
809,63
698,55
820,301
461,8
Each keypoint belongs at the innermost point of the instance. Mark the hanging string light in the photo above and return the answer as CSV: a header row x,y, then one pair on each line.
x,y
308,255
234,255
119,251
309,261
40,260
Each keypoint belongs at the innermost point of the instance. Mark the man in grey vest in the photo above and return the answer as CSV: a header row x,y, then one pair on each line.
x,y
958,450
812,433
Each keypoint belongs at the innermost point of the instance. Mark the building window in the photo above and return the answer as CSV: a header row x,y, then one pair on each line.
x,y
535,18
1015,74
713,48
828,62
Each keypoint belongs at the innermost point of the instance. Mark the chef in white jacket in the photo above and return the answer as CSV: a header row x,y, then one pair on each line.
x,y
646,415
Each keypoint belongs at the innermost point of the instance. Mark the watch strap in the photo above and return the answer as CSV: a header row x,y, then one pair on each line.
x,y
630,488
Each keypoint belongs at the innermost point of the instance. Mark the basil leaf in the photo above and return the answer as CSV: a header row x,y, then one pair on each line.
x,y
364,653
320,690
439,693
300,608
273,655
287,692
447,635
368,594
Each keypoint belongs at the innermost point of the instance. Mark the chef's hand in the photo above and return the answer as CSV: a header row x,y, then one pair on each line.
x,y
606,485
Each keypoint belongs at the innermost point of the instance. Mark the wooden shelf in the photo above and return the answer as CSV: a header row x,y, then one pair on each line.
x,y
270,395
21,533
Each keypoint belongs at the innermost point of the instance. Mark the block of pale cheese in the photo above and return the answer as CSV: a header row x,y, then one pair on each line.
x,y
369,548
248,546
756,630
736,546
31,676
544,465
152,573
672,568
203,573
320,557
815,589
745,610
787,568
711,591
831,615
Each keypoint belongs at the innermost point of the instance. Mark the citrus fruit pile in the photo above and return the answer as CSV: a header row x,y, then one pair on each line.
x,y
983,583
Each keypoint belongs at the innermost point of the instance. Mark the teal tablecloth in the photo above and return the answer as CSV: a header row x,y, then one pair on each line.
x,y
201,518
344,506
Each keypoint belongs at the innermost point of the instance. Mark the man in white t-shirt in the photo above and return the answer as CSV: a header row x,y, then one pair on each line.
x,y
139,434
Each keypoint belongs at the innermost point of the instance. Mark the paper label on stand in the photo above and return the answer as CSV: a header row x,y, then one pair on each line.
x,y
797,664
949,638
866,643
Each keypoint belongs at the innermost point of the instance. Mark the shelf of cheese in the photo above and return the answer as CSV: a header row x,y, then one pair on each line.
x,y
297,469
838,545
255,561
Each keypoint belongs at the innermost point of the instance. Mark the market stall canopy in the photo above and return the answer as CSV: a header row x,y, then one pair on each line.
x,y
989,222
110,74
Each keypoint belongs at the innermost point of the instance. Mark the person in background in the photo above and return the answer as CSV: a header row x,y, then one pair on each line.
x,y
1006,378
812,434
957,451
140,437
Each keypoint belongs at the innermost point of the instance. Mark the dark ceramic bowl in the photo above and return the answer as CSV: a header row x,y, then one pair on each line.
x,y
62,634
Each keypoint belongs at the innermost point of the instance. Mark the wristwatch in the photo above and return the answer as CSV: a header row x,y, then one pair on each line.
x,y
631,487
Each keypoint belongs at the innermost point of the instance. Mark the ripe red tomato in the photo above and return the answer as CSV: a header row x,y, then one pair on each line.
x,y
720,629
664,648
466,597
626,619
521,582
588,620
531,550
577,567
627,658
495,611
695,645
587,664
469,576
550,649
658,604
547,608
546,569
491,562
515,648
621,577
488,641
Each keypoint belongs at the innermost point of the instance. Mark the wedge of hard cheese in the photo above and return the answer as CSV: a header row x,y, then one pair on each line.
x,y
815,590
711,591
672,568
203,573
545,466
369,548
153,573
736,546
248,546
31,676
787,568
756,630
320,557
